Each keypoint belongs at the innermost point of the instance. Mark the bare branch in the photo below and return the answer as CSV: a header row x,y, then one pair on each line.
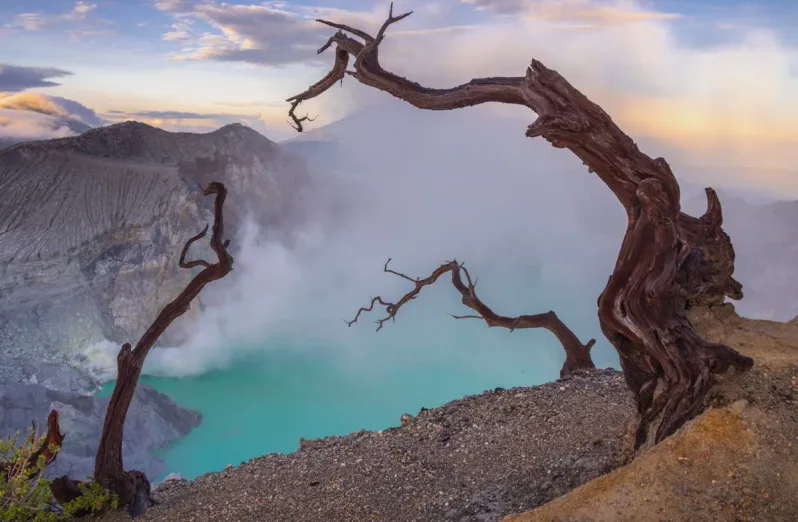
x,y
297,122
403,276
566,118
392,308
389,22
191,264
342,27
374,300
577,354
133,487
667,262
336,74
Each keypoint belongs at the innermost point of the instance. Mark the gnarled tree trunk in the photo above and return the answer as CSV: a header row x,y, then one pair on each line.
x,y
133,487
668,260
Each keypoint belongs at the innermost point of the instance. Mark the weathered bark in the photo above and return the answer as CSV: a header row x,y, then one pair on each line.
x,y
133,487
577,355
668,260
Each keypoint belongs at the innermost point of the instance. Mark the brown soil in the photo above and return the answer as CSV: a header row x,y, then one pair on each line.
x,y
733,463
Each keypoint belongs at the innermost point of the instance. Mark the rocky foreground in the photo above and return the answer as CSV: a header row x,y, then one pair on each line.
x,y
736,462
473,459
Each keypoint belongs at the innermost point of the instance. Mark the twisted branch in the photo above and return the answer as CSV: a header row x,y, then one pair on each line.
x,y
577,355
191,264
668,260
133,487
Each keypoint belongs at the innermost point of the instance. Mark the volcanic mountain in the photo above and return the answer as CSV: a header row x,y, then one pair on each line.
x,y
91,227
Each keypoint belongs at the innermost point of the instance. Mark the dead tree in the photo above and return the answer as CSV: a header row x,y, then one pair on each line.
x,y
577,355
133,487
668,260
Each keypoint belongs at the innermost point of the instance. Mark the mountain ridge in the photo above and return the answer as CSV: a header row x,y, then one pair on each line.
x,y
91,227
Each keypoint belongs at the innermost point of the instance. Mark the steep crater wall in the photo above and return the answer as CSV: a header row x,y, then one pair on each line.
x,y
91,228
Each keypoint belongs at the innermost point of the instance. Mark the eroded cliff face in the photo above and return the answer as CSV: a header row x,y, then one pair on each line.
x,y
91,228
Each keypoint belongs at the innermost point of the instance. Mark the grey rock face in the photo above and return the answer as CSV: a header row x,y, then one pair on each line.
x,y
153,421
91,228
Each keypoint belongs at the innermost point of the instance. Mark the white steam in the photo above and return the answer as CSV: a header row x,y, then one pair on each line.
x,y
538,230
422,188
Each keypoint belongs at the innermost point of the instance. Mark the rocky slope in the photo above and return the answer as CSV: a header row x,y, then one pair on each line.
x,y
734,463
91,227
474,459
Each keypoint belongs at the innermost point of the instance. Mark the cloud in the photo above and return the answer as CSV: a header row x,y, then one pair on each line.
x,y
728,100
78,20
273,33
269,34
252,103
17,78
26,116
179,34
17,125
171,5
81,8
180,115
724,104
32,21
32,115
185,121
573,11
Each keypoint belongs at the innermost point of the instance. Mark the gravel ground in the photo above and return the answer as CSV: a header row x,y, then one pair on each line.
x,y
736,462
474,459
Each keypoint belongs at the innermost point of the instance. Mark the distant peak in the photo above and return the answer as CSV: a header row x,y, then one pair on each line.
x,y
131,124
235,127
240,129
123,128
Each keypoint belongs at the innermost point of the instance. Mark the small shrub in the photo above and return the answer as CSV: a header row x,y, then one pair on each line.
x,y
25,494
95,500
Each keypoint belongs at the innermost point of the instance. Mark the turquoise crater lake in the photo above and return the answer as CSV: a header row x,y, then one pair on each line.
x,y
271,396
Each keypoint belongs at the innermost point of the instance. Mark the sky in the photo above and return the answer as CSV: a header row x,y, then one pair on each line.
x,y
718,78
705,82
